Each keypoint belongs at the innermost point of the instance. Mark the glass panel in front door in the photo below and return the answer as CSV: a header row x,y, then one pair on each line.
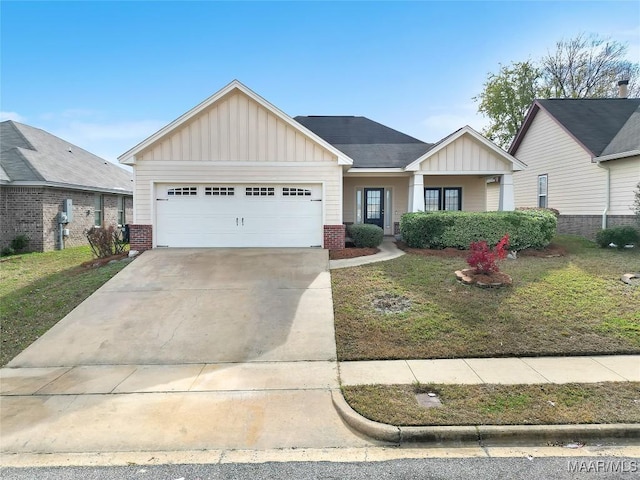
x,y
374,206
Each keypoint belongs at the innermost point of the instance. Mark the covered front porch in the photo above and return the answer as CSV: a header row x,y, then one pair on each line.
x,y
463,171
382,199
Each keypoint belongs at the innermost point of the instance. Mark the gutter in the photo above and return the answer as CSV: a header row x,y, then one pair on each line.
x,y
607,193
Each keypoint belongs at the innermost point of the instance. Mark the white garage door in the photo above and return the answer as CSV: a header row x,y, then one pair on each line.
x,y
232,215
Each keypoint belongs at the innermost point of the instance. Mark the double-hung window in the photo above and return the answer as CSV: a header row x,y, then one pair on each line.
x,y
121,210
442,198
543,184
98,201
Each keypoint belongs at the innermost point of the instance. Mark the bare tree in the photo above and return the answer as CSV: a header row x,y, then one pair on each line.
x,y
588,66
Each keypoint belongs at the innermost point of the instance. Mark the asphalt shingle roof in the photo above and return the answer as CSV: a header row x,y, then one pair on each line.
x,y
32,155
370,144
597,122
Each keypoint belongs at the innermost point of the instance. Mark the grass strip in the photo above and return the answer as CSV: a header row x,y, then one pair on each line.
x,y
540,404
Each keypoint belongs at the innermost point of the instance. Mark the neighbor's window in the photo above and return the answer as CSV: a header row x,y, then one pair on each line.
x,y
442,198
543,182
121,210
98,201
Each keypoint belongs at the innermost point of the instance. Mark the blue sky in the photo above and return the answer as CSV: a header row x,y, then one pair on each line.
x,y
105,75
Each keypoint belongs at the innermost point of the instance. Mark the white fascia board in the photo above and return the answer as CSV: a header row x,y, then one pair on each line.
x,y
615,156
128,158
517,164
67,186
461,173
385,171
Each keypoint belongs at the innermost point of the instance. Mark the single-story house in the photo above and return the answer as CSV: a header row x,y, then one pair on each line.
x,y
583,158
237,171
42,175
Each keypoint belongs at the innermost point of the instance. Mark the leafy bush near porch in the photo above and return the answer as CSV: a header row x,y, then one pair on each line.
x,y
365,235
526,229
620,236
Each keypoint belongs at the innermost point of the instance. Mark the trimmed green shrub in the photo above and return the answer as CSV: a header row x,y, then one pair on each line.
x,y
365,235
526,229
620,236
20,243
7,251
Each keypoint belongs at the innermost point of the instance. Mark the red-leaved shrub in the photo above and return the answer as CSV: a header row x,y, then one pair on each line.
x,y
483,259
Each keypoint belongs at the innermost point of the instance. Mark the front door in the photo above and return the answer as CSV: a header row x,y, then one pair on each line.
x,y
374,206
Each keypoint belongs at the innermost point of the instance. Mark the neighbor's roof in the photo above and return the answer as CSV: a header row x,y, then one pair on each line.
x,y
30,155
603,126
370,144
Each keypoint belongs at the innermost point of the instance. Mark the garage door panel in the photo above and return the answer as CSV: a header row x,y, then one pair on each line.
x,y
238,216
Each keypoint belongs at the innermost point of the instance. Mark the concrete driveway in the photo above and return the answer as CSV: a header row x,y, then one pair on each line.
x,y
185,349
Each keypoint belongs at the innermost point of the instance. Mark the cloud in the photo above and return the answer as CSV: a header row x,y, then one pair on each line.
x,y
12,116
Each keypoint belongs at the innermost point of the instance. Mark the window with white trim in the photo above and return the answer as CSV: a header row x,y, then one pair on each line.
x,y
219,191
260,191
183,191
295,192
98,202
442,198
121,210
543,187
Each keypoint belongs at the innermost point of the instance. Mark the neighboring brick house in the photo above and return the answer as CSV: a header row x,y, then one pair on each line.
x,y
39,171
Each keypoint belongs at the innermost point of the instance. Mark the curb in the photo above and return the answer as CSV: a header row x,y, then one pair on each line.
x,y
485,434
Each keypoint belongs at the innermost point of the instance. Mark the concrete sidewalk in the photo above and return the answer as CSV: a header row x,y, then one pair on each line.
x,y
388,251
526,370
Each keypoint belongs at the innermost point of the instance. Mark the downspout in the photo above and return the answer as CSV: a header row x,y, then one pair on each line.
x,y
607,193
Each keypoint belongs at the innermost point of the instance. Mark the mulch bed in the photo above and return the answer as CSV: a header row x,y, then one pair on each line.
x,y
552,250
351,252
99,262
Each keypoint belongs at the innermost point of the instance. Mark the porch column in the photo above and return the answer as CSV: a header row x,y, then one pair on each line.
x,y
416,193
507,199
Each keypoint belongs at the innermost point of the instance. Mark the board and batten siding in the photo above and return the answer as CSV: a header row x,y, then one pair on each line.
x,y
576,184
236,140
625,175
465,154
237,128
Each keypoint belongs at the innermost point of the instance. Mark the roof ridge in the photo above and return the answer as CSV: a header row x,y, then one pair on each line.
x,y
26,161
14,125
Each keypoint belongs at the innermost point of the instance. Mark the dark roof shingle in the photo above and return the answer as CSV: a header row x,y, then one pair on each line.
x,y
370,144
595,122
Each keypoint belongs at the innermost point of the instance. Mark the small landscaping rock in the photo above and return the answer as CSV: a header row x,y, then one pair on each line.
x,y
468,276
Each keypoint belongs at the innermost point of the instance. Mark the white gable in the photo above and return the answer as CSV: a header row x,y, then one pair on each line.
x,y
466,152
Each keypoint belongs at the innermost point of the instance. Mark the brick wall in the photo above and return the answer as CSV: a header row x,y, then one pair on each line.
x,y
334,237
21,214
140,237
589,225
34,212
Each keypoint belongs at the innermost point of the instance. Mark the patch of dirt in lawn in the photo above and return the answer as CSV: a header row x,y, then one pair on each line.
x,y
351,252
552,250
390,303
99,262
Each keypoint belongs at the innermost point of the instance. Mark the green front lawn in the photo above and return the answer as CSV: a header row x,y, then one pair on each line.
x,y
575,304
39,289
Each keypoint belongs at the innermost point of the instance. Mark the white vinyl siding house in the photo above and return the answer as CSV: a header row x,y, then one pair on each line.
x,y
625,175
575,183
586,152
305,174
